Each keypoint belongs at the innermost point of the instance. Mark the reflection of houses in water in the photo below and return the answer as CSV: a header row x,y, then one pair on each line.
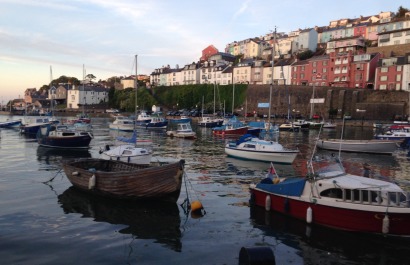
x,y
144,220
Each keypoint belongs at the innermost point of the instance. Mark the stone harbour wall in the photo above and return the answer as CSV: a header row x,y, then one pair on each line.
x,y
357,103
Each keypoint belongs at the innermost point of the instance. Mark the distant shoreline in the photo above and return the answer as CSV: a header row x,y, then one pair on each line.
x,y
338,122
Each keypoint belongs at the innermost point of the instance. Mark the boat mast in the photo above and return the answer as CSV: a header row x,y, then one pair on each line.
x,y
50,89
84,89
136,91
136,83
312,102
214,97
271,82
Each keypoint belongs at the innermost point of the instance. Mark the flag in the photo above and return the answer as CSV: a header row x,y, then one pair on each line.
x,y
272,172
272,169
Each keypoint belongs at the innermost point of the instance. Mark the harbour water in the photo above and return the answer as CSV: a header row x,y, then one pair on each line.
x,y
51,223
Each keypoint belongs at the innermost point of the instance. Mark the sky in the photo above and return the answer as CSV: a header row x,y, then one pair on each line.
x,y
105,35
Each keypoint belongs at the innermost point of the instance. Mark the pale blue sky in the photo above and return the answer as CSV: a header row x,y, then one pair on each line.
x,y
104,35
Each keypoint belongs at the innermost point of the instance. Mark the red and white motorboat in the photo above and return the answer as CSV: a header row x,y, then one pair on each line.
x,y
331,197
232,127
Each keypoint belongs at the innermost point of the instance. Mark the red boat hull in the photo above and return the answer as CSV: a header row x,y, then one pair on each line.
x,y
335,217
237,131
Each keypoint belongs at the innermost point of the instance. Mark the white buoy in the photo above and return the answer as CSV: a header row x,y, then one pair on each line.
x,y
386,224
309,214
267,203
91,182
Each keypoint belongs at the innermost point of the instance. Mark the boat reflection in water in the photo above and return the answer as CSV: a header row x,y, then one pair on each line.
x,y
52,156
143,219
318,244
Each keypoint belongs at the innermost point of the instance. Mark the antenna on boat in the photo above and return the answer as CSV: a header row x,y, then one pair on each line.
x,y
341,139
136,92
310,162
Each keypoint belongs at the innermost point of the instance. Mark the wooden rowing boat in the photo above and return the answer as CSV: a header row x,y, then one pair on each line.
x,y
129,181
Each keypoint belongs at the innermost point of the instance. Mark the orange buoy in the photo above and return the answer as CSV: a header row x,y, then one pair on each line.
x,y
196,206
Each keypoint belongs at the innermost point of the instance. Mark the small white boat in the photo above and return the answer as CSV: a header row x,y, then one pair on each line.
x,y
157,123
143,119
289,127
304,125
183,130
122,123
328,125
63,137
127,153
252,148
373,146
210,122
32,124
181,119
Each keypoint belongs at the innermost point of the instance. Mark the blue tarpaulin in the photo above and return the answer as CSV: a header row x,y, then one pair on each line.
x,y
288,187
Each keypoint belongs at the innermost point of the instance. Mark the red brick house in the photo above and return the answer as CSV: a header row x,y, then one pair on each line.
x,y
363,68
389,73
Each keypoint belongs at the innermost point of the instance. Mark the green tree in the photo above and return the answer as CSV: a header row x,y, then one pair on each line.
x,y
305,55
90,77
401,12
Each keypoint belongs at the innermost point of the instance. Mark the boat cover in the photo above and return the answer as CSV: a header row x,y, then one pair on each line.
x,y
133,138
288,187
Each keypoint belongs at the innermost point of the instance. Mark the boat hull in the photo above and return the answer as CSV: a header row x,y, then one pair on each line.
x,y
360,146
285,157
127,181
185,135
121,128
66,142
332,216
10,124
210,123
157,125
236,131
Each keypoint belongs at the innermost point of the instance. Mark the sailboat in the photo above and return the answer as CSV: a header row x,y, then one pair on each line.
x,y
209,121
128,151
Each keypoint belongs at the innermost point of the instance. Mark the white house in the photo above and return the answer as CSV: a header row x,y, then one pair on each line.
x,y
86,95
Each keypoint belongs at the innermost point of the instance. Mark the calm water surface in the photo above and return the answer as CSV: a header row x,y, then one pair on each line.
x,y
55,224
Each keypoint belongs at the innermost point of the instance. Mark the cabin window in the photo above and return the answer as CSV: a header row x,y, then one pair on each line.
x,y
395,198
332,193
252,146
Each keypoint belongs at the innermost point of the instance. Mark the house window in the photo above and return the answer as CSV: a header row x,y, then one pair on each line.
x,y
398,87
398,68
384,69
383,78
396,42
398,78
358,77
302,76
382,87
